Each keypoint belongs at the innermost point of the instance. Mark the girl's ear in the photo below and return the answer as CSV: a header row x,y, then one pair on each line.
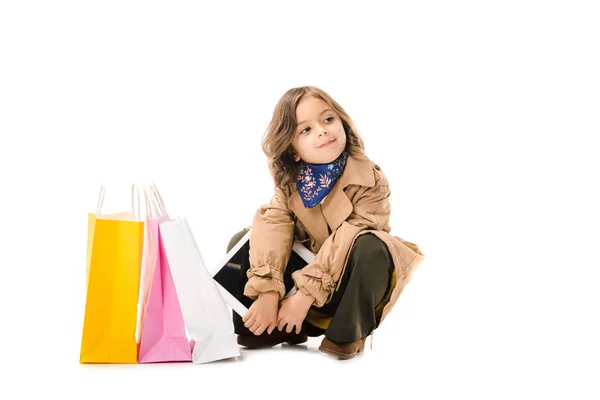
x,y
295,156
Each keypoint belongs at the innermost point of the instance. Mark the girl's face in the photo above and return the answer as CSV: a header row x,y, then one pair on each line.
x,y
319,137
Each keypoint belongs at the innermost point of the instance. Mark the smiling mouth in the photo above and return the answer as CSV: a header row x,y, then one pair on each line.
x,y
327,144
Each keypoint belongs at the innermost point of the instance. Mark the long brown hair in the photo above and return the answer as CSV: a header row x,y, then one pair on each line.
x,y
277,141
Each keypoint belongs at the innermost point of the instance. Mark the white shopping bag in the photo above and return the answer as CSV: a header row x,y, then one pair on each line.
x,y
205,313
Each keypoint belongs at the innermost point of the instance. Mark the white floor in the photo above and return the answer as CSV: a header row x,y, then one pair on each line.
x,y
446,348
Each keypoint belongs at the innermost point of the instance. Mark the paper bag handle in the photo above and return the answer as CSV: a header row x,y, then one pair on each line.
x,y
158,203
134,190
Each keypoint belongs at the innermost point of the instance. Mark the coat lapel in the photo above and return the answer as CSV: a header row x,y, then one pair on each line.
x,y
312,218
337,207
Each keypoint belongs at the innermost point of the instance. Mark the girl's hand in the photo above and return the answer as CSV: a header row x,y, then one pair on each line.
x,y
293,311
262,313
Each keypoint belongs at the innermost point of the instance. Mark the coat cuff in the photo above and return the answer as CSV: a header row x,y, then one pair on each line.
x,y
264,279
314,280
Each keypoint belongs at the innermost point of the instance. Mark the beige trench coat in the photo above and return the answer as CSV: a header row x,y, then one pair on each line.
x,y
357,204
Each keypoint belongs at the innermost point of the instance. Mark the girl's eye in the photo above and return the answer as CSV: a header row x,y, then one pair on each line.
x,y
329,118
305,130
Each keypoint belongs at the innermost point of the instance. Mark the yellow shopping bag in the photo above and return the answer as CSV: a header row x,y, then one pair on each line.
x,y
91,227
114,256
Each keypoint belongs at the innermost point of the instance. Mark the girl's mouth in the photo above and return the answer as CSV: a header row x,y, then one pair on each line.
x,y
327,144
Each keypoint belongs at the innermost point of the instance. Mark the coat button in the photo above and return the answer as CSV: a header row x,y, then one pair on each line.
x,y
377,167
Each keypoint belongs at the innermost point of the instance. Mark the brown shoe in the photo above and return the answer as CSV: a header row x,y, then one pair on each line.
x,y
276,337
344,351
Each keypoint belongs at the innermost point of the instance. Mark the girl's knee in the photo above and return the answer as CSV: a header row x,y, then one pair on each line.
x,y
369,253
235,239
368,245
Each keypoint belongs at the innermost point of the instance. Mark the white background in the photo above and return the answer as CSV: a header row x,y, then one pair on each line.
x,y
483,115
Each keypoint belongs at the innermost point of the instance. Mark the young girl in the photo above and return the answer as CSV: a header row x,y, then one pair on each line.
x,y
333,199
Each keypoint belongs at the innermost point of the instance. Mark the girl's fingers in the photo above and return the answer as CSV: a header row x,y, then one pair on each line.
x,y
256,330
255,327
249,322
298,328
247,316
289,328
271,328
260,330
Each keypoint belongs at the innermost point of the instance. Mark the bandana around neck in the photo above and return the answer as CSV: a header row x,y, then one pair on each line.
x,y
315,181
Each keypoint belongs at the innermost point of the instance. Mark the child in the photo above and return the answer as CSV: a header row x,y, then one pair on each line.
x,y
333,199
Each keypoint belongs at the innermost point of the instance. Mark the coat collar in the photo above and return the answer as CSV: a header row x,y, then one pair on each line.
x,y
325,218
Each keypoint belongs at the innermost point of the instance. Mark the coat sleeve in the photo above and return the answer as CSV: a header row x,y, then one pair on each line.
x,y
319,278
271,241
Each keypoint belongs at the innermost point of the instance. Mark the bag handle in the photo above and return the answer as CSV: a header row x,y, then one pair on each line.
x,y
158,204
151,207
135,190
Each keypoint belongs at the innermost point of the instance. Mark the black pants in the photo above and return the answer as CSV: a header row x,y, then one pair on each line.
x,y
366,281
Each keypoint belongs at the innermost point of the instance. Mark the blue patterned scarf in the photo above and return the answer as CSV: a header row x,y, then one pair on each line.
x,y
312,191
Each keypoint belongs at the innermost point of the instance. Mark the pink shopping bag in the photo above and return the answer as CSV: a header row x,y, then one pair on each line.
x,y
162,330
